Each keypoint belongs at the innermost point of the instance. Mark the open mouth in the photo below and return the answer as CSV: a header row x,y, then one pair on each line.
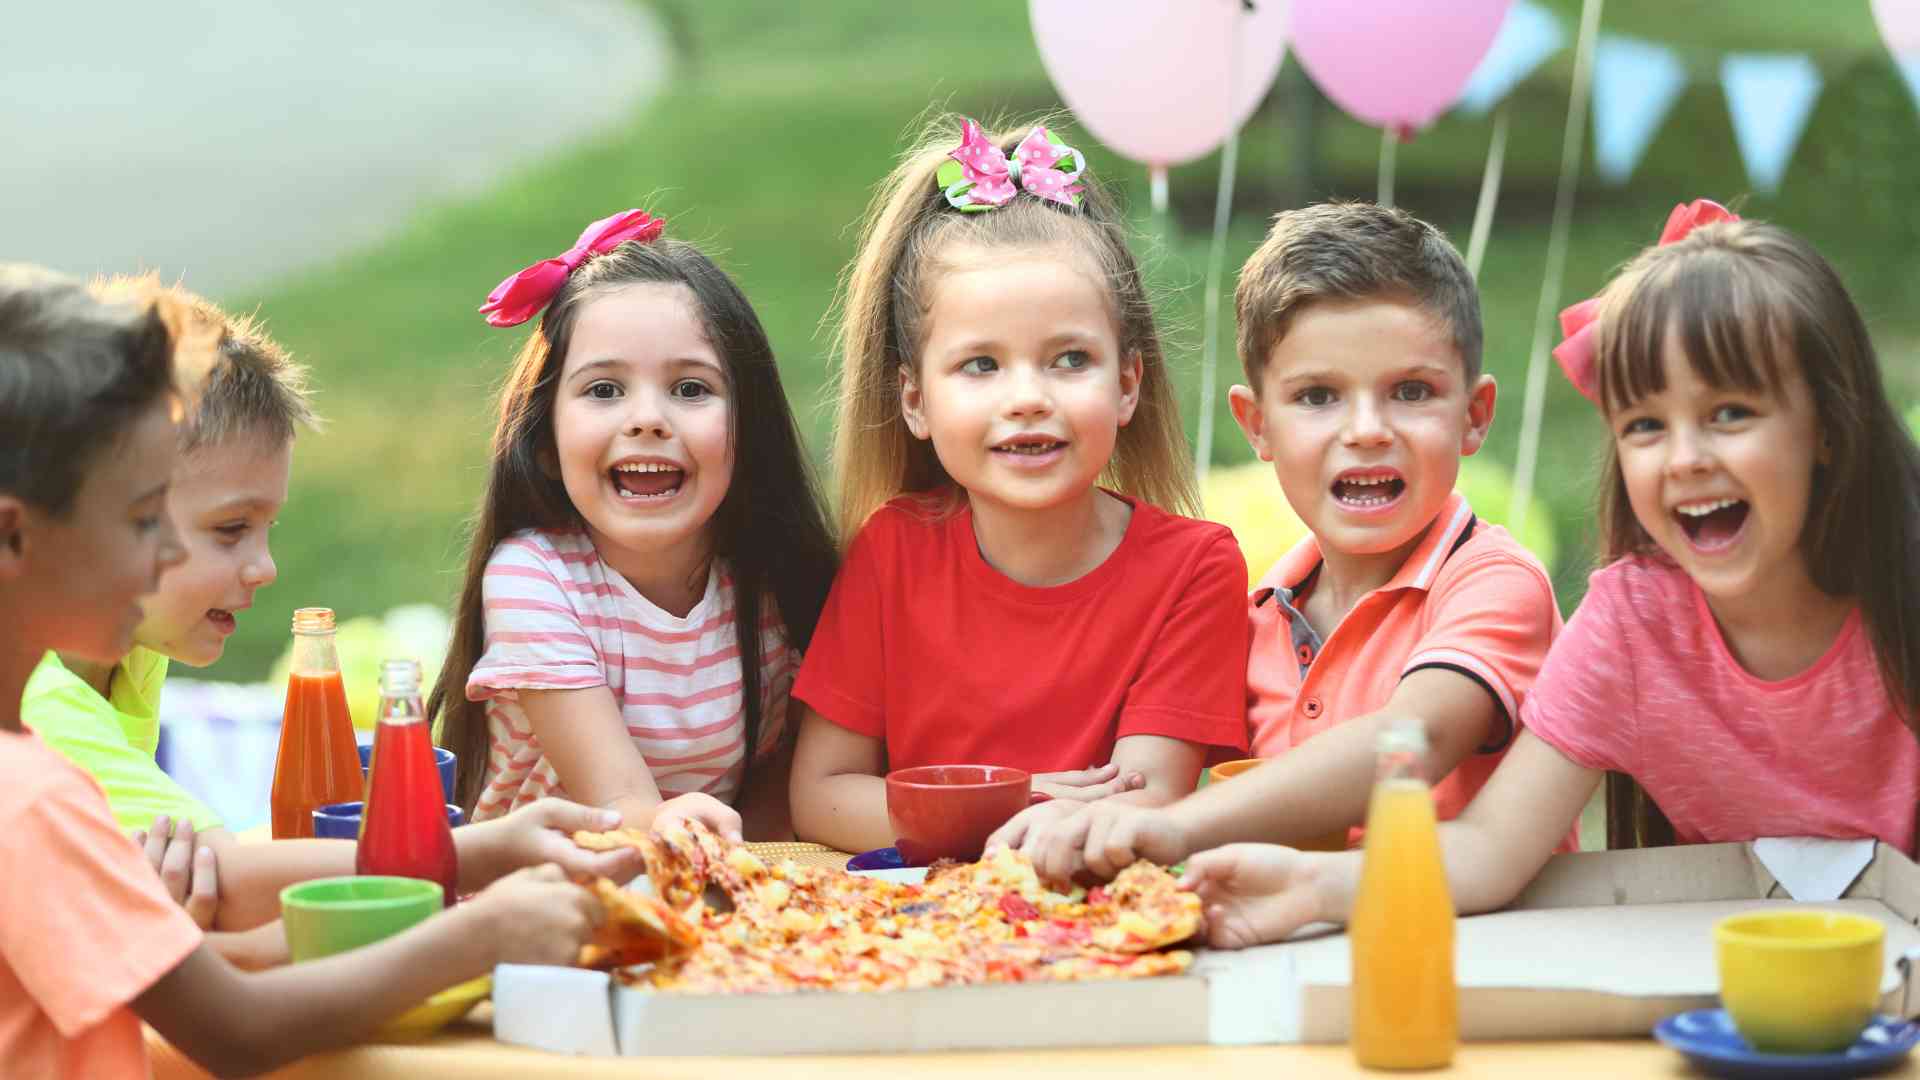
x,y
1712,524
1368,490
1030,446
223,620
647,479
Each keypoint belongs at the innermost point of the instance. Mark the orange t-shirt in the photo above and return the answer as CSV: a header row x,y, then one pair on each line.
x,y
85,924
1469,599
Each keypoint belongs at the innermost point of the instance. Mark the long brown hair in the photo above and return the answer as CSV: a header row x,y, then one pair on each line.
x,y
887,290
769,528
1749,303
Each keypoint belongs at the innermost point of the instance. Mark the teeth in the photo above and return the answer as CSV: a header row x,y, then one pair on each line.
x,y
1030,448
1702,509
645,467
1368,481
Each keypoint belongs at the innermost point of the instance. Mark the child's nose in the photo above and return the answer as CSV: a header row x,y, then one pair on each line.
x,y
1688,453
646,417
260,572
1365,426
1027,394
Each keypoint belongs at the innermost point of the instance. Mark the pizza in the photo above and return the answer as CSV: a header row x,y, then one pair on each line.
x,y
759,926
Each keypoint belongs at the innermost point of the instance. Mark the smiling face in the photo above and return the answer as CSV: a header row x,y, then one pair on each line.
x,y
642,425
1365,412
224,499
84,573
1720,478
1021,386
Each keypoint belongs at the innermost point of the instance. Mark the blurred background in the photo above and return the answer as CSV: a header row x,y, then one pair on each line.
x,y
361,177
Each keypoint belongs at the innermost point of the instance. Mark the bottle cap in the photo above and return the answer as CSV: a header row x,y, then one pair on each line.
x,y
1402,735
399,678
313,620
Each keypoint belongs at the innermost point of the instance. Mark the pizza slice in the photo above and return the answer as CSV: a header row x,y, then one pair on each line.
x,y
640,929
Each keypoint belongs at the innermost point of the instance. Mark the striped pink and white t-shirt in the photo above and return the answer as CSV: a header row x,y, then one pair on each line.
x,y
559,618
1641,682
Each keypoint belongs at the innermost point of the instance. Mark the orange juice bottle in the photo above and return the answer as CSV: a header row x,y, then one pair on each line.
x,y
1405,1006
318,762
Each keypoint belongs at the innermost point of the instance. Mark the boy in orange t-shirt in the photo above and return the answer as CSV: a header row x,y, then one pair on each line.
x,y
1359,328
90,942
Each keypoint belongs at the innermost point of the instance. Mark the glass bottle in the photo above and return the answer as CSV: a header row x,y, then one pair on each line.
x,y
1405,1003
404,830
318,762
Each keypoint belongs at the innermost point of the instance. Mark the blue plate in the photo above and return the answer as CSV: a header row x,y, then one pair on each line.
x,y
885,858
1708,1039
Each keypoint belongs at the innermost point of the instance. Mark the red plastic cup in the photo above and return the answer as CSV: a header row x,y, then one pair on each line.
x,y
948,811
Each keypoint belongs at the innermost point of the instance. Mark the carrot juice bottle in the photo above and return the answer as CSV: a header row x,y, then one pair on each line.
x,y
403,830
318,762
1405,1005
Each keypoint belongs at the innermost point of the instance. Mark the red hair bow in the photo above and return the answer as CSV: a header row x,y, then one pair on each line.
x,y
523,294
1575,351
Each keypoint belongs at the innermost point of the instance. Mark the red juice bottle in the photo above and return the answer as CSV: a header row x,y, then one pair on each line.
x,y
318,762
403,830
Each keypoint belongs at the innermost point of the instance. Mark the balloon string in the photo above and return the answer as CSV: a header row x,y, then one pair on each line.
x,y
1389,147
1570,153
1210,349
1489,193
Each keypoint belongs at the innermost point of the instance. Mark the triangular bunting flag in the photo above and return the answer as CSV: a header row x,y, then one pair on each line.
x,y
1771,97
1529,35
1635,84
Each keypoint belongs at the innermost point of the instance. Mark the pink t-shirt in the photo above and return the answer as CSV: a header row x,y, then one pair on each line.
x,y
1641,682
559,618
85,924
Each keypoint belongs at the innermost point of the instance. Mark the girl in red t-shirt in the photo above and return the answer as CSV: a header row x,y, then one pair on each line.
x,y
1751,655
1019,590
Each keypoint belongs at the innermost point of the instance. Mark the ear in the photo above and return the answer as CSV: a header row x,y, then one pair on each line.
x,y
912,403
1480,402
1253,422
13,537
1132,372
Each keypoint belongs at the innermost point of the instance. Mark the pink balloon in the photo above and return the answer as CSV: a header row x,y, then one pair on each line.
x,y
1150,77
1899,25
1394,63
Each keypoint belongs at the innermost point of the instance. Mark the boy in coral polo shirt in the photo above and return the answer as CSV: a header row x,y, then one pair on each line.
x,y
1360,334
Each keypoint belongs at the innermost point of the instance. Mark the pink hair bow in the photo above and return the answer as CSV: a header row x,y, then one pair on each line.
x,y
986,177
1575,351
521,296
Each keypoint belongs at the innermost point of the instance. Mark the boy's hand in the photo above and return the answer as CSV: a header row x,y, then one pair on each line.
x,y
189,871
1100,838
536,916
1088,785
539,833
1256,893
698,806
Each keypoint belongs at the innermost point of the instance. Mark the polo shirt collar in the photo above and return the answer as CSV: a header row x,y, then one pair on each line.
x,y
1417,572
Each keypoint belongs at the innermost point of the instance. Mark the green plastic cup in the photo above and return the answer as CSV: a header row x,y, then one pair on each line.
x,y
333,915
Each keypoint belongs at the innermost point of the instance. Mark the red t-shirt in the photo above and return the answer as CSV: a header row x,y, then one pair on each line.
x,y
924,645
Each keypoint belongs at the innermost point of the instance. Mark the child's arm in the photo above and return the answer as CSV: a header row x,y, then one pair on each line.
x,y
838,796
252,875
1257,893
236,1024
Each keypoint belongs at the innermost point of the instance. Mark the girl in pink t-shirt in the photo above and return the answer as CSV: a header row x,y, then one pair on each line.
x,y
651,555
1751,656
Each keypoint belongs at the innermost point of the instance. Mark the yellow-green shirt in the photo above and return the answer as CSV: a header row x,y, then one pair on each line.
x,y
113,740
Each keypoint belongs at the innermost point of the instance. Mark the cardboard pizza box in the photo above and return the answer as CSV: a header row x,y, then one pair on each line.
x,y
1601,944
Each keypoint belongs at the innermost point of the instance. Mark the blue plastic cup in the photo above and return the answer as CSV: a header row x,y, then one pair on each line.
x,y
341,820
443,759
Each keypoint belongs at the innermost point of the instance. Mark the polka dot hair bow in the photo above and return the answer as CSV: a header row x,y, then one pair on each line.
x,y
1578,323
524,293
981,177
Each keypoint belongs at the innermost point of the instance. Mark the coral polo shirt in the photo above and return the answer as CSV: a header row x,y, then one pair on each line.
x,y
1469,599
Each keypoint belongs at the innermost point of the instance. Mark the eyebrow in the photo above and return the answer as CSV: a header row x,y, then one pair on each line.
x,y
156,490
618,364
1065,338
1334,374
242,503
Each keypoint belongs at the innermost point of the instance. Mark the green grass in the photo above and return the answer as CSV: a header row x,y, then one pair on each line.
x,y
779,120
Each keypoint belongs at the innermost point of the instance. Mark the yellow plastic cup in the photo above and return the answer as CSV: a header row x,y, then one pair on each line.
x,y
1801,981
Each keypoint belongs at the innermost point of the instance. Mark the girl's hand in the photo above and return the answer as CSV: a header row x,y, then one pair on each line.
x,y
1087,785
536,916
1253,894
189,872
538,833
698,806
1041,819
